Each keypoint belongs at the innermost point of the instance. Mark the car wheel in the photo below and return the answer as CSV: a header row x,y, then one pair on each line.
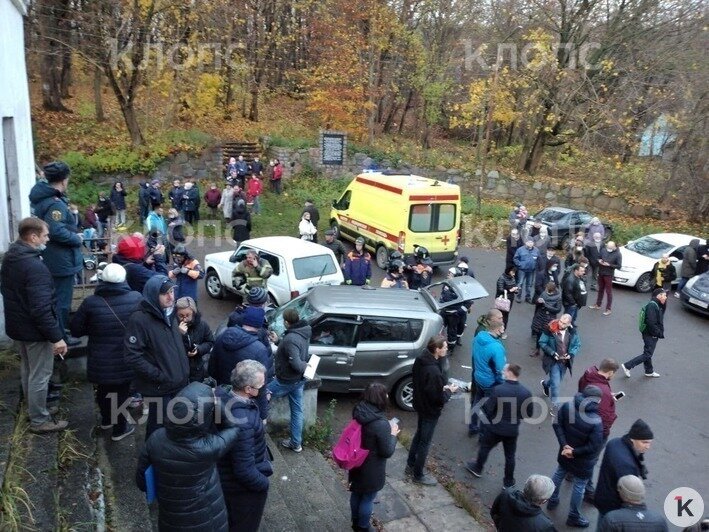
x,y
382,257
404,393
644,284
213,285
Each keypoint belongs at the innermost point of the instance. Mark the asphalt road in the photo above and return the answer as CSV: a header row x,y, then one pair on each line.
x,y
673,405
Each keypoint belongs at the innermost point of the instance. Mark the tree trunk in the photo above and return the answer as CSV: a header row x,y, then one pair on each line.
x,y
533,155
406,110
136,136
253,108
98,100
65,75
51,15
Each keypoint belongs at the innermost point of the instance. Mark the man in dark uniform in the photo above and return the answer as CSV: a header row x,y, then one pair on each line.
x,y
63,253
334,245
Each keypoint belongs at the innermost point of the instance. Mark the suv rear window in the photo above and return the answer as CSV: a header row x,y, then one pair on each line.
x,y
390,330
315,266
432,217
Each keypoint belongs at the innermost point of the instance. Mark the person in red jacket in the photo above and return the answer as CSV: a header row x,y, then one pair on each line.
x,y
601,376
276,176
254,189
213,197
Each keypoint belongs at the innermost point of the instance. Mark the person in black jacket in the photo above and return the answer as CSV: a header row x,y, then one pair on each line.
x,y
143,201
184,455
291,360
234,345
573,291
175,195
104,210
118,199
592,251
197,337
153,347
520,510
379,438
31,319
623,456
547,309
633,514
431,393
245,469
507,405
103,317
240,221
609,261
507,287
512,243
654,330
547,271
190,202
579,430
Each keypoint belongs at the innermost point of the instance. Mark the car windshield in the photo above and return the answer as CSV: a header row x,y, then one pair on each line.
x,y
549,215
316,266
305,310
650,247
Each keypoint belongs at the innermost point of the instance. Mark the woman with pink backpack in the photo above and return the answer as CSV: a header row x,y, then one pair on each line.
x,y
379,438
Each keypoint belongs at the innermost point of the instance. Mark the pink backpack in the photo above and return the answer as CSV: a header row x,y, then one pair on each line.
x,y
348,452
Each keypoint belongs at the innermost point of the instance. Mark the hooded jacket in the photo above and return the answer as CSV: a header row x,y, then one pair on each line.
x,y
184,458
689,260
655,318
155,223
292,355
63,253
581,429
103,317
246,466
488,359
137,273
512,512
28,296
546,311
620,459
198,335
231,347
377,438
153,346
548,344
507,405
428,381
606,408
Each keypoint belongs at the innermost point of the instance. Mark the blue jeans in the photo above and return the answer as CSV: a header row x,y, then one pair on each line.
x,y
526,285
572,310
480,393
577,490
421,444
682,281
294,391
361,505
556,373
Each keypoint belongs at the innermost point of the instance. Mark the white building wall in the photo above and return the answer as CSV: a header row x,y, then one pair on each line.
x,y
16,127
17,175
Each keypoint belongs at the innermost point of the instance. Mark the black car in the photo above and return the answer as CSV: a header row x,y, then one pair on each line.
x,y
563,223
695,294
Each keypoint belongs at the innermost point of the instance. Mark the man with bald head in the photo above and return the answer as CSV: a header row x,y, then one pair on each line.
x,y
609,261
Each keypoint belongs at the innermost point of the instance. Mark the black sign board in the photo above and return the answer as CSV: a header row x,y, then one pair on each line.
x,y
332,148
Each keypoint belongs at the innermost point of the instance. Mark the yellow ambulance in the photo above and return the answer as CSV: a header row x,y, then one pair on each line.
x,y
397,212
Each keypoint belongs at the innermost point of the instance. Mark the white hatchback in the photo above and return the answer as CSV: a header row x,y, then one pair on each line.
x,y
298,266
639,257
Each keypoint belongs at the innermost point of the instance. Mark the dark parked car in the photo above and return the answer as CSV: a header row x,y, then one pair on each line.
x,y
563,223
695,294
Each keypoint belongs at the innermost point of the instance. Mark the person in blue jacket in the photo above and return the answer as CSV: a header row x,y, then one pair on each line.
x,y
245,469
358,265
62,255
525,259
103,317
489,360
186,273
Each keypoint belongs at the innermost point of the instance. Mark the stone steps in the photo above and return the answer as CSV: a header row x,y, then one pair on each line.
x,y
235,148
306,484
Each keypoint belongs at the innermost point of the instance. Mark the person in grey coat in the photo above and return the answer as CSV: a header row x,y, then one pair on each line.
x,y
689,264
633,515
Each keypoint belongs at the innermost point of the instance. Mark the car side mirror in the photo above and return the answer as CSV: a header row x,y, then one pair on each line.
x,y
674,259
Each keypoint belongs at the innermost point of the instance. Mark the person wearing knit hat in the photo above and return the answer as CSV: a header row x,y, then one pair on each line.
x,y
623,456
257,297
633,515
103,317
62,255
652,328
579,431
197,337
254,317
140,264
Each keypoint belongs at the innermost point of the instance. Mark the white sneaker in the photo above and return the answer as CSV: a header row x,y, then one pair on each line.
x,y
654,374
677,295
625,370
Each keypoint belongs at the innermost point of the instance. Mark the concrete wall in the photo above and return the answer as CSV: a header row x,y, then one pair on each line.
x,y
496,186
17,175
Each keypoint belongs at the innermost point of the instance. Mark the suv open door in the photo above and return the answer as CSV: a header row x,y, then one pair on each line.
x,y
466,288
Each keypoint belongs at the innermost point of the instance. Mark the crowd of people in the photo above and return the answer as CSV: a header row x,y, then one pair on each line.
x,y
205,397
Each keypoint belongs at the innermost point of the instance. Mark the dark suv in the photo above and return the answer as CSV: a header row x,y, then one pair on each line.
x,y
563,223
364,334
